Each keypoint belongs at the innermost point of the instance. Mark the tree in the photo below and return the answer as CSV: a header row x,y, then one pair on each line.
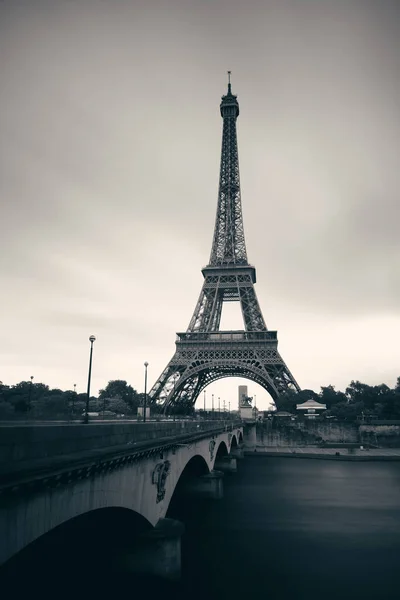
x,y
329,396
119,389
118,406
361,392
396,400
346,411
287,401
4,389
384,402
6,409
20,396
304,395
53,405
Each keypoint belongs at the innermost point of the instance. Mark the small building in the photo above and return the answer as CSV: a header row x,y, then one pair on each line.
x,y
282,415
311,408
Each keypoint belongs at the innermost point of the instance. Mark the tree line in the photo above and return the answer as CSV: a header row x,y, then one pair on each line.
x,y
39,401
358,401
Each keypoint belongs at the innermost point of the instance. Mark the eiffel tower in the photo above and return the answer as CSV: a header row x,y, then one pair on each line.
x,y
204,353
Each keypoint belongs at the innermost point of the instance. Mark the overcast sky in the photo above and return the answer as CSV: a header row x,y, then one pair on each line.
x,y
110,140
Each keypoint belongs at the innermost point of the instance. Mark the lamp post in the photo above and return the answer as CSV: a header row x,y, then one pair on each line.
x,y
212,406
204,403
86,419
229,409
219,408
146,364
73,400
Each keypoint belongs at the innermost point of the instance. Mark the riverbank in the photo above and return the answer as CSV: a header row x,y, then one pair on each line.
x,y
340,453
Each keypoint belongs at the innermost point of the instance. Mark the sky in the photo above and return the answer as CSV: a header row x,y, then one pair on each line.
x,y
110,138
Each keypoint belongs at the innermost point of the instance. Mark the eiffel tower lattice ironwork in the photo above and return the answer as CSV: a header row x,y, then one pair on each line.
x,y
204,353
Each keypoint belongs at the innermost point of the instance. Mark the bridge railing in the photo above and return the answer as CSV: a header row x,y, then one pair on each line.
x,y
21,444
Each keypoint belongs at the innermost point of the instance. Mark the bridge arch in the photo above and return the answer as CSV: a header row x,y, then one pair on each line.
x,y
194,468
222,450
234,442
87,539
197,465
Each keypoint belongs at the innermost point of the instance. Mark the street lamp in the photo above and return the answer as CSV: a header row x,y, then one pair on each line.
x,y
219,408
146,364
86,419
212,406
204,403
229,405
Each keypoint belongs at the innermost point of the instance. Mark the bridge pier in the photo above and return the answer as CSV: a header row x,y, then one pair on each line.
x,y
206,486
237,453
250,437
158,553
226,464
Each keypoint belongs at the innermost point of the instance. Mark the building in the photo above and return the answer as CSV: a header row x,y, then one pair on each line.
x,y
311,408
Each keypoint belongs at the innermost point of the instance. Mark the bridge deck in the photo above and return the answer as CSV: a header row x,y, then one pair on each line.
x,y
58,454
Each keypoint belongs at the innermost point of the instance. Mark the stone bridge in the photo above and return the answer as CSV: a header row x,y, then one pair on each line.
x,y
90,482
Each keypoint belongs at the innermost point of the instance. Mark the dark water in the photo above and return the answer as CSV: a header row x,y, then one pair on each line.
x,y
298,528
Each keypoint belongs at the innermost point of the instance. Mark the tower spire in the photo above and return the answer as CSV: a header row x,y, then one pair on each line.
x,y
229,246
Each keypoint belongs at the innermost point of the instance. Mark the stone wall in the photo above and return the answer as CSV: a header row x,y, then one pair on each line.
x,y
386,436
333,432
316,433
284,436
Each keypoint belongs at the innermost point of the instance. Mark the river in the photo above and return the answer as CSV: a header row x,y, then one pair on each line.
x,y
291,528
